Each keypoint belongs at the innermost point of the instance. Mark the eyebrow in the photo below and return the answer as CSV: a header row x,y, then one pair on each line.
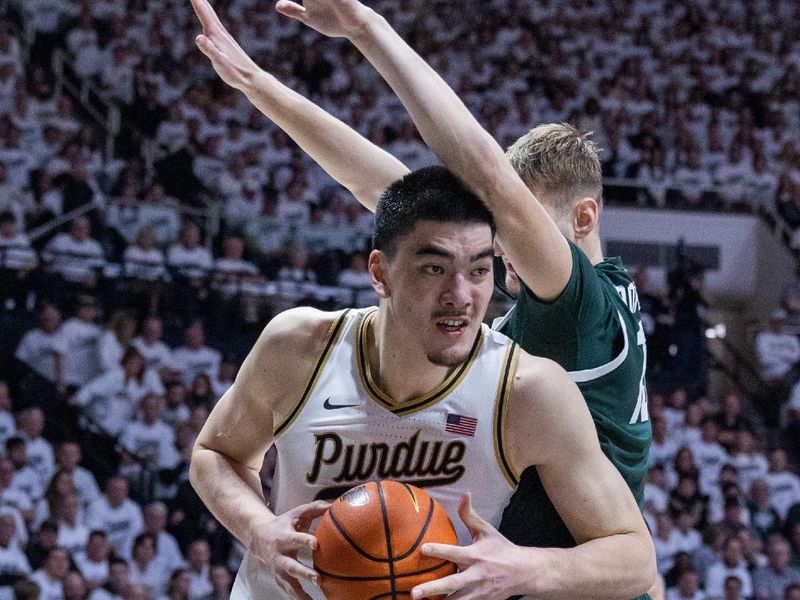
x,y
434,251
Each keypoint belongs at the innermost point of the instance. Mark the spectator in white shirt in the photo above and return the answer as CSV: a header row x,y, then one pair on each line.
x,y
146,569
784,485
81,335
39,450
8,426
116,514
118,582
76,257
108,401
50,578
142,260
93,562
199,559
13,563
194,356
75,587
665,540
750,462
157,355
708,453
167,550
778,351
687,587
232,273
26,480
116,339
188,258
68,458
18,502
73,535
148,440
42,349
732,564
17,259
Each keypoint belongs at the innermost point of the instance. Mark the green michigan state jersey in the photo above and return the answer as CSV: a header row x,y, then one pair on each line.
x,y
593,330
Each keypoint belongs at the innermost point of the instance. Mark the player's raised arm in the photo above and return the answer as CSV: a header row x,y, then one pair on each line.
x,y
547,424
529,237
230,448
352,160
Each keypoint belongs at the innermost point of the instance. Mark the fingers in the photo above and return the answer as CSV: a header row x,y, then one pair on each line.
x,y
311,511
456,554
296,570
477,526
439,587
293,542
291,9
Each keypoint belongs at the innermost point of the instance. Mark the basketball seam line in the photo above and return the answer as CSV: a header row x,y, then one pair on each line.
x,y
388,536
436,567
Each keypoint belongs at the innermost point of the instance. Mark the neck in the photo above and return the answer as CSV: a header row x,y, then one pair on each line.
x,y
591,247
391,359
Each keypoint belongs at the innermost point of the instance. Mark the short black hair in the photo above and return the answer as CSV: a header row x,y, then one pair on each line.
x,y
429,194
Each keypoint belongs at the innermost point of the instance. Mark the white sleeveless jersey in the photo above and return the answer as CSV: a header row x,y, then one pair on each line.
x,y
345,431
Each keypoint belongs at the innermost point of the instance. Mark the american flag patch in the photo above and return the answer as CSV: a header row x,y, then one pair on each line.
x,y
460,424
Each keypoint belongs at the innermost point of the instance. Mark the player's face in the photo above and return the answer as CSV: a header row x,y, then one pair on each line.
x,y
439,283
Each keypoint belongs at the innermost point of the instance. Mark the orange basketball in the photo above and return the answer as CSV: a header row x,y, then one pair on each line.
x,y
370,540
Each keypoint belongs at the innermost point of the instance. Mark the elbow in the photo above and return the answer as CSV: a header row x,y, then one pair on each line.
x,y
648,571
196,470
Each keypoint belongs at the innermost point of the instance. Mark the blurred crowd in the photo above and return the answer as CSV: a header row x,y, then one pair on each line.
x,y
198,219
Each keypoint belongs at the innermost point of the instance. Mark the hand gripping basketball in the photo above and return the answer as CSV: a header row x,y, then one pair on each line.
x,y
491,568
277,542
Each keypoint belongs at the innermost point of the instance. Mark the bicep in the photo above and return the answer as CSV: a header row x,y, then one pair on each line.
x,y
239,427
588,492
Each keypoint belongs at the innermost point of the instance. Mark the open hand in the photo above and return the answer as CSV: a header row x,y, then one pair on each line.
x,y
230,62
491,568
334,18
277,542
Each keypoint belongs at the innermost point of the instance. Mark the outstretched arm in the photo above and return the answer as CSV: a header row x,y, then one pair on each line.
x,y
352,160
530,238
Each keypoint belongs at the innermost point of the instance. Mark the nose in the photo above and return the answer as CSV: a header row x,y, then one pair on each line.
x,y
458,293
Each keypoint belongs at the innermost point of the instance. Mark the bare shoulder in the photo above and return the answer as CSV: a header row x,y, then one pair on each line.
x,y
546,411
286,353
298,331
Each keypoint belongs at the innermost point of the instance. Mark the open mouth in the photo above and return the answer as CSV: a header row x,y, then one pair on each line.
x,y
452,326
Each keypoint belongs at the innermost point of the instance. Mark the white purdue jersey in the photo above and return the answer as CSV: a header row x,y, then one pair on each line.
x,y
345,431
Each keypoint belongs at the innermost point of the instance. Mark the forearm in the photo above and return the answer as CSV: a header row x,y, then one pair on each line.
x,y
613,567
232,492
444,122
352,160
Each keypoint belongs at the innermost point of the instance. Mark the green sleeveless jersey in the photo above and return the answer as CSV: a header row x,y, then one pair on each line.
x,y
593,330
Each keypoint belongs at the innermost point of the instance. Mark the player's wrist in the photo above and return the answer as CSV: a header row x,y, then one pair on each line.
x,y
539,571
365,27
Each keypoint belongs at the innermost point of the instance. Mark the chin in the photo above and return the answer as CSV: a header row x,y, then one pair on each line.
x,y
450,357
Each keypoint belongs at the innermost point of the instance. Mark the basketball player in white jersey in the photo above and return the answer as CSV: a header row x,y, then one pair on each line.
x,y
421,391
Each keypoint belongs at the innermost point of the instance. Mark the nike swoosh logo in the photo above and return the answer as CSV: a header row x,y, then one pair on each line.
x,y
328,406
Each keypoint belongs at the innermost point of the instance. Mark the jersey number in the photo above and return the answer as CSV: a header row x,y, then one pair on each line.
x,y
640,413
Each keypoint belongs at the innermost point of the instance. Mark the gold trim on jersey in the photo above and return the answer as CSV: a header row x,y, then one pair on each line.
x,y
330,342
501,409
415,404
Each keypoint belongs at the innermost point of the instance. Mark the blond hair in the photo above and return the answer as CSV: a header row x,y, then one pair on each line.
x,y
559,164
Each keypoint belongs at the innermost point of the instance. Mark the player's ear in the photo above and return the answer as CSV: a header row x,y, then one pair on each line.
x,y
585,217
378,266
